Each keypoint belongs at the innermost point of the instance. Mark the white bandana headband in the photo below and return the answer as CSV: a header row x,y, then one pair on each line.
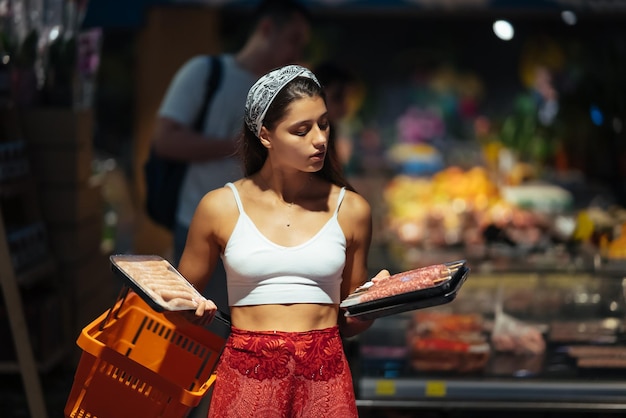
x,y
263,92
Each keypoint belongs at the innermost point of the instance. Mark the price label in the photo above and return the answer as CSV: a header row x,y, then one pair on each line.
x,y
385,387
435,388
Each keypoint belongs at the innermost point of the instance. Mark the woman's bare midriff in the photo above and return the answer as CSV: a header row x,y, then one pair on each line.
x,y
297,317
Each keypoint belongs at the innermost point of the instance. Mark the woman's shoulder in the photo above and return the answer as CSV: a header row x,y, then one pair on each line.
x,y
216,215
215,201
355,217
355,205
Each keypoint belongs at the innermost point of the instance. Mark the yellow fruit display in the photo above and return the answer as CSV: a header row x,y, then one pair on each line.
x,y
617,247
437,209
584,227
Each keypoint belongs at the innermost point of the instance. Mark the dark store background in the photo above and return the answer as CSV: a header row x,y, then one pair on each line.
x,y
406,54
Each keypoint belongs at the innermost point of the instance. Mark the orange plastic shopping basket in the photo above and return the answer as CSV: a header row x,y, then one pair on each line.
x,y
137,363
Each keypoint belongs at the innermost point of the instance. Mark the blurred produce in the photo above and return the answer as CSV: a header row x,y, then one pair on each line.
x,y
604,229
613,243
616,249
438,210
467,209
478,214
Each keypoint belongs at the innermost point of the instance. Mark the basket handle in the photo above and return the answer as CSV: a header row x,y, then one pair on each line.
x,y
119,302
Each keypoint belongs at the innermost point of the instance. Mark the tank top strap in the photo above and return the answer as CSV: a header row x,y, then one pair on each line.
x,y
342,193
236,194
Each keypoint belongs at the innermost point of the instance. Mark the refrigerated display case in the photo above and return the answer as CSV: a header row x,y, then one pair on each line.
x,y
581,366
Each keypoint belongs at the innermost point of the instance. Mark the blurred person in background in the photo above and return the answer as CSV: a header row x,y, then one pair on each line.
x,y
278,37
339,85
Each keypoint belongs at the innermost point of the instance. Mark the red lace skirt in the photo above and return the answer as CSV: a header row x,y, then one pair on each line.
x,y
283,374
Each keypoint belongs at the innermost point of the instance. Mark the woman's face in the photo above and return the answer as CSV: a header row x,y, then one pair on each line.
x,y
300,139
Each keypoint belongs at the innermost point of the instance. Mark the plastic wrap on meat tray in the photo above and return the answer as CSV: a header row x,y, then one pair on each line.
x,y
151,277
409,290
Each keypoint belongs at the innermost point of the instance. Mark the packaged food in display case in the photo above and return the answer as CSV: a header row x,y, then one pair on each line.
x,y
591,331
598,356
441,341
484,350
514,336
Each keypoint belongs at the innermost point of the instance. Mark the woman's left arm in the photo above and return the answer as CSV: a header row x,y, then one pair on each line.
x,y
356,220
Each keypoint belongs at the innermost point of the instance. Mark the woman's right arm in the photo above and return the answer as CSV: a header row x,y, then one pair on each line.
x,y
204,243
356,218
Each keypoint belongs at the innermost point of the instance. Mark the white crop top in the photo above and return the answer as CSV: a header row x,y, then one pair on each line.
x,y
261,272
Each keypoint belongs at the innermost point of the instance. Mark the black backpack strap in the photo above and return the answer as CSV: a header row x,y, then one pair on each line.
x,y
213,81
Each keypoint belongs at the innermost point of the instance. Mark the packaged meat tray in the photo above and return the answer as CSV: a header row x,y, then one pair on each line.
x,y
447,342
410,290
598,356
147,273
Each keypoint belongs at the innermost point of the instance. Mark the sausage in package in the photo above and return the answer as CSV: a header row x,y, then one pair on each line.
x,y
410,290
156,281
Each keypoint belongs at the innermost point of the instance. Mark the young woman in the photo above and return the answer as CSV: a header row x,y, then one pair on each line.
x,y
294,238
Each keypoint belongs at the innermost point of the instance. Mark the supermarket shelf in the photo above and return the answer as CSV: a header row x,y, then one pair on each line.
x,y
386,377
493,394
469,405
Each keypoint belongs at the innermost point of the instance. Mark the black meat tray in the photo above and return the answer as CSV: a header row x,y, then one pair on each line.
x,y
129,281
424,298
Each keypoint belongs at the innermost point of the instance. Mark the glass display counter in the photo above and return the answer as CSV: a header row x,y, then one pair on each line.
x,y
579,365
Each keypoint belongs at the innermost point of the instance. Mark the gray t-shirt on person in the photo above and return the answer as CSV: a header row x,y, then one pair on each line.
x,y
224,120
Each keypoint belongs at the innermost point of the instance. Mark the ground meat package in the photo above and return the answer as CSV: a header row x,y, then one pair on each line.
x,y
410,290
